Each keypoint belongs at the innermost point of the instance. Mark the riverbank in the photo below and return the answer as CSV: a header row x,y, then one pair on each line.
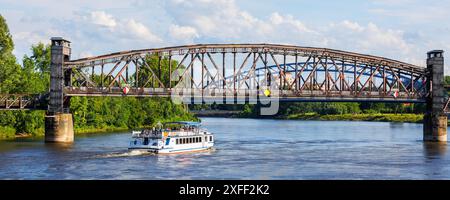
x,y
89,130
378,117
215,113
8,133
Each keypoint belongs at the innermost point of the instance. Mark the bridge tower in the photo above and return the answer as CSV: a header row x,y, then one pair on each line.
x,y
58,122
435,120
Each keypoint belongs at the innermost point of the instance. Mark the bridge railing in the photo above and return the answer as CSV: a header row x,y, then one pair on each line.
x,y
219,94
22,101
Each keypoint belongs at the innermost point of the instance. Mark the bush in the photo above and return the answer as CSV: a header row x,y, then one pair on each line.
x,y
7,132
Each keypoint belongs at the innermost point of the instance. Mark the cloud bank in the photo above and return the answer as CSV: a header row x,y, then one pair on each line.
x,y
96,28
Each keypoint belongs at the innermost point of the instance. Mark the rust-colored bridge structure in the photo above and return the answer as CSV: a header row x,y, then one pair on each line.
x,y
241,73
240,70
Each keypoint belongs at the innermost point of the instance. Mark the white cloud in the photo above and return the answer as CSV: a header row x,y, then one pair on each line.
x,y
369,39
288,21
103,19
29,37
127,29
140,30
353,26
220,19
85,54
385,38
185,33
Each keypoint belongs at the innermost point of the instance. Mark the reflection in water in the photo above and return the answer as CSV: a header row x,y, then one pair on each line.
x,y
434,150
246,149
59,146
396,125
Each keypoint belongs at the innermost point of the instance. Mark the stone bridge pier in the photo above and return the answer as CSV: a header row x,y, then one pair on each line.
x,y
58,120
435,120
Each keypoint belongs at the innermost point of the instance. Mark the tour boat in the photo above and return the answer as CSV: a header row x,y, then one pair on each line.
x,y
173,137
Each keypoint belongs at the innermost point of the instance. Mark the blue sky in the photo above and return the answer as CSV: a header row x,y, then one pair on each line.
x,y
402,29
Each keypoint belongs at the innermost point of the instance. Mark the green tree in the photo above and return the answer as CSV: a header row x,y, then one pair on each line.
x,y
37,70
10,71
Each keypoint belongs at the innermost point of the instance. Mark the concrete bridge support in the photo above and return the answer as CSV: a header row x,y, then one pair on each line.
x,y
435,120
58,123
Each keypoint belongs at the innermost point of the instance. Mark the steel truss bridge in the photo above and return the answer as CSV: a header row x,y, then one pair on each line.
x,y
241,72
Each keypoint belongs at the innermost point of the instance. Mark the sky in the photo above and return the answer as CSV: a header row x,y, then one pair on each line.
x,y
403,29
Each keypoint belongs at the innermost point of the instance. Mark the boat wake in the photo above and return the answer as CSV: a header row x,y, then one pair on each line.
x,y
126,154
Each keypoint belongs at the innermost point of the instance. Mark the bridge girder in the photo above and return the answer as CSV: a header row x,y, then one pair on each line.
x,y
356,75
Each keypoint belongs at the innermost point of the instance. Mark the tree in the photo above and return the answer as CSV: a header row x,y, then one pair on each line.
x,y
6,42
148,74
37,70
9,70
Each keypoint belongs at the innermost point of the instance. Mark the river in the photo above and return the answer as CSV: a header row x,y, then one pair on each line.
x,y
245,149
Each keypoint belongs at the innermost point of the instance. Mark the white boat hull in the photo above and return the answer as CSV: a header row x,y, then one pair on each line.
x,y
172,151
174,144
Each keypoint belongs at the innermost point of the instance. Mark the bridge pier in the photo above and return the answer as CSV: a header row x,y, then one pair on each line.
x,y
58,122
435,120
59,128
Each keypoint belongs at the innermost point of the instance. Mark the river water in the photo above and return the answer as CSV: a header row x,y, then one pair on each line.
x,y
245,149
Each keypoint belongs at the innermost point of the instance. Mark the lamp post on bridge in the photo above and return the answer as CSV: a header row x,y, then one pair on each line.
x,y
435,120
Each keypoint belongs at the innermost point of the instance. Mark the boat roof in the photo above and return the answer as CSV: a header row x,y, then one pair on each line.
x,y
187,123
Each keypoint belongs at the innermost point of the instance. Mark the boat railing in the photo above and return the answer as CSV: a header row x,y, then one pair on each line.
x,y
153,134
158,134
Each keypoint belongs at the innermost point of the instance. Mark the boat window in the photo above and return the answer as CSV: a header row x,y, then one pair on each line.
x,y
206,138
210,138
190,140
197,140
200,139
184,140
